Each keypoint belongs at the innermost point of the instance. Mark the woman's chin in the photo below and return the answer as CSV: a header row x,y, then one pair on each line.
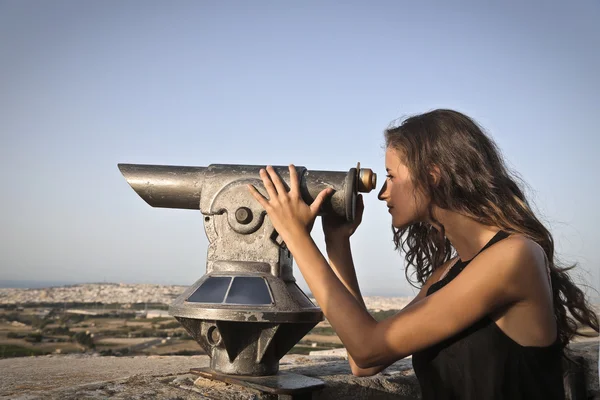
x,y
401,224
398,224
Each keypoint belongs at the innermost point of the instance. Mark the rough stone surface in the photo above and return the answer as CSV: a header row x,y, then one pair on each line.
x,y
589,351
88,377
85,377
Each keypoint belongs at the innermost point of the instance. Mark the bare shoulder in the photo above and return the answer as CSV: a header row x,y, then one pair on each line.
x,y
521,259
518,250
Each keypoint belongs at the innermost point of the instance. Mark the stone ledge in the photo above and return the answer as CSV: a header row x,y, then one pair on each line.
x,y
91,377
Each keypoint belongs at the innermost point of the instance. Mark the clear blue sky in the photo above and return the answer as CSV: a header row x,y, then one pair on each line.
x,y
87,85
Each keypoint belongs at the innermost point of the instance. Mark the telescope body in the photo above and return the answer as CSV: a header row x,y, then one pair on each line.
x,y
246,311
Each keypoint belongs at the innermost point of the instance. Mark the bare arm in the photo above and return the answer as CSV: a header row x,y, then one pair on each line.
x,y
340,259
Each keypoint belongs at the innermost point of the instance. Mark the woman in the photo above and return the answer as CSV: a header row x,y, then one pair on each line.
x,y
494,330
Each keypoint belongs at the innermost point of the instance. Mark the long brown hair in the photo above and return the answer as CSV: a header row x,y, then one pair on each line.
x,y
474,182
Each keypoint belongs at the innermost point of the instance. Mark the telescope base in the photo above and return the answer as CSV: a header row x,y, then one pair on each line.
x,y
283,385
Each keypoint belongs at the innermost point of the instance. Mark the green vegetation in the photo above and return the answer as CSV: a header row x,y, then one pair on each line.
x,y
71,319
27,319
34,337
381,315
29,337
11,350
170,325
61,330
149,306
26,331
322,331
84,339
119,331
143,333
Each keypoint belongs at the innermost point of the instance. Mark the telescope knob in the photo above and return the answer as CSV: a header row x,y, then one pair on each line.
x,y
243,215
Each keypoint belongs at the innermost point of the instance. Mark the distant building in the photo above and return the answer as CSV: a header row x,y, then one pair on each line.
x,y
42,313
157,314
81,312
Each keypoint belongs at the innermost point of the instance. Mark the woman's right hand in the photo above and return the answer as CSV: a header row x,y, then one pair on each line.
x,y
338,229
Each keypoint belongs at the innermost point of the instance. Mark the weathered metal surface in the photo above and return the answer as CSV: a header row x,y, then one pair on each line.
x,y
246,311
282,383
165,185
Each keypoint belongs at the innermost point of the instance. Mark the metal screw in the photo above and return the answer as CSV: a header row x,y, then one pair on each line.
x,y
243,215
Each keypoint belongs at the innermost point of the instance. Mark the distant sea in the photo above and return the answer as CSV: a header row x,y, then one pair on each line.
x,y
32,284
27,284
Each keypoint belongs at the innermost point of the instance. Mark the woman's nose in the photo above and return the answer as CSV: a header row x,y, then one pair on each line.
x,y
381,196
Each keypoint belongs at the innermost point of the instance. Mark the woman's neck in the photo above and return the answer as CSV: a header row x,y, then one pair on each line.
x,y
467,236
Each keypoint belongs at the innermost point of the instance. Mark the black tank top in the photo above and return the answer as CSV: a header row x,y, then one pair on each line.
x,y
483,363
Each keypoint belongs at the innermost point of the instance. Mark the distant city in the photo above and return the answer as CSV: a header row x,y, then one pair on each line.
x,y
42,284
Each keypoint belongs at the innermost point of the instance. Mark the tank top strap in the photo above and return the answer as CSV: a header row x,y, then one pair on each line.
x,y
497,237
459,265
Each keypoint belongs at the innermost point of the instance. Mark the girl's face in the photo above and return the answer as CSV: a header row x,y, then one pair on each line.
x,y
406,204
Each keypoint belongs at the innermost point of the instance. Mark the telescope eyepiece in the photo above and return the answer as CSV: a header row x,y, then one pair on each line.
x,y
367,180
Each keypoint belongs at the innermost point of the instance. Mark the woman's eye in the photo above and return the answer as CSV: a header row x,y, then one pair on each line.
x,y
388,176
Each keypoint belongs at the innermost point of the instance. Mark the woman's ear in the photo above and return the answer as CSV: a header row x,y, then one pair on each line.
x,y
435,175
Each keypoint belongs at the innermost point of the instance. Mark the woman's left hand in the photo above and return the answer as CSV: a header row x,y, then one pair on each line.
x,y
289,214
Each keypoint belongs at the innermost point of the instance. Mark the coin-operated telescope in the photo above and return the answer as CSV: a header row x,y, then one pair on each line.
x,y
246,311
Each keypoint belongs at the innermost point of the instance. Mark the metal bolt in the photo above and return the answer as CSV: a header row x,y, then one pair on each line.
x,y
243,215
213,336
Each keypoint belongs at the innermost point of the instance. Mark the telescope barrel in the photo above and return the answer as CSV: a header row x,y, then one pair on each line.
x,y
165,185
182,186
